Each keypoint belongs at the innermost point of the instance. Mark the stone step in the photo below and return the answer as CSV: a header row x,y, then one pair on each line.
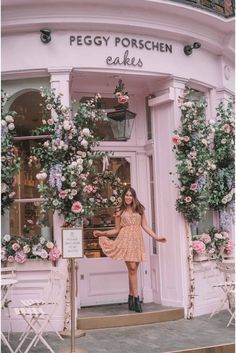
x,y
117,315
222,348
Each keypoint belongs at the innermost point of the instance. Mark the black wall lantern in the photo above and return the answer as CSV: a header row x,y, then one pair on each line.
x,y
121,118
121,123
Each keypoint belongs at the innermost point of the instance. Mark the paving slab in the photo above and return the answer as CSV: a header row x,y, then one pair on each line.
x,y
155,338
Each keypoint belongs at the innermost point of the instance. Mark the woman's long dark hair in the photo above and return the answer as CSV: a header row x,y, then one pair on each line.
x,y
136,204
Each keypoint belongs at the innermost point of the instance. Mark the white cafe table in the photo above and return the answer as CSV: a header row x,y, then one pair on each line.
x,y
6,284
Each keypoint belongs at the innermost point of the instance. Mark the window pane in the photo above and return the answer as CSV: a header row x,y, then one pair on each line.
x,y
26,182
29,112
24,219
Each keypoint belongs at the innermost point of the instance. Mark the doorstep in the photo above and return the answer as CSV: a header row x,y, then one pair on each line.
x,y
222,348
118,315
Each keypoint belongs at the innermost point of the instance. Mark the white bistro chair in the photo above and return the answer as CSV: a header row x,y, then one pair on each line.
x,y
7,273
50,302
227,267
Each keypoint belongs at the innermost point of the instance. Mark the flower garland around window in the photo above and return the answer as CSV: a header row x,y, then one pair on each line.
x,y
10,161
192,147
19,249
67,158
222,179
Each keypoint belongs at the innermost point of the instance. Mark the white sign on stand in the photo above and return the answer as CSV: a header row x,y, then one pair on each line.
x,y
72,243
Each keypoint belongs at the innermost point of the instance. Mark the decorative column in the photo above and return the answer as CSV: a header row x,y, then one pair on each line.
x,y
173,256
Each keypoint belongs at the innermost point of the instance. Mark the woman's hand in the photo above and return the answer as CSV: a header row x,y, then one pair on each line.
x,y
161,239
97,233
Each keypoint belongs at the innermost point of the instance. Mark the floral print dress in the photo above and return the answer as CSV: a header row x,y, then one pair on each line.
x,y
129,244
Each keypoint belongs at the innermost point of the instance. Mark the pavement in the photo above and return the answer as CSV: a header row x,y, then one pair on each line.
x,y
154,338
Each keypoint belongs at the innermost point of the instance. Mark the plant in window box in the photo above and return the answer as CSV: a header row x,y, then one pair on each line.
x,y
15,249
67,157
9,159
213,244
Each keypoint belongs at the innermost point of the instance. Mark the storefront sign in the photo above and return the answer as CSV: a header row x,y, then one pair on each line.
x,y
128,43
72,243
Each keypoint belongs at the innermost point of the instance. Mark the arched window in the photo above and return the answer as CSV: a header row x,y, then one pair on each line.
x,y
24,212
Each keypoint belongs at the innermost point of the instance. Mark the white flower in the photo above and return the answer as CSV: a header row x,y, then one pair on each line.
x,y
9,119
50,245
218,236
42,240
74,192
4,188
66,125
7,237
55,202
41,176
43,254
3,123
73,184
86,132
11,126
84,143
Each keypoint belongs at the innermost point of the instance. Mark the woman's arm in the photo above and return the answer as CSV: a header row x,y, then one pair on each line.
x,y
111,232
149,230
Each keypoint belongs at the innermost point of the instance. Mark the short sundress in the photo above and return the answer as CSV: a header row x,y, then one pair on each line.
x,y
129,244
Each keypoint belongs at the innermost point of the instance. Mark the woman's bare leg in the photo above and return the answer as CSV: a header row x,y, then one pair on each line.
x,y
133,278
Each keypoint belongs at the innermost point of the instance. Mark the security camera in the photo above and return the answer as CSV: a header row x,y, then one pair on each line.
x,y
196,45
188,49
45,35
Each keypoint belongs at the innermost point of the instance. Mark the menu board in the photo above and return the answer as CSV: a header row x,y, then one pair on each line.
x,y
72,243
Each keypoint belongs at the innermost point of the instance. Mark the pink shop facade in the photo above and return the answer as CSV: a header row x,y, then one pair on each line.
x,y
91,48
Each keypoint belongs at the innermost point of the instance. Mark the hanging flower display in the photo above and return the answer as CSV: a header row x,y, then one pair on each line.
x,y
122,95
192,146
222,178
10,162
67,158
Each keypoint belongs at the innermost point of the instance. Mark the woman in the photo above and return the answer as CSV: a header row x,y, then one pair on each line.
x,y
128,245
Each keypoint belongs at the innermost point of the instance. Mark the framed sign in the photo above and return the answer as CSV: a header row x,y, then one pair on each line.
x,y
72,243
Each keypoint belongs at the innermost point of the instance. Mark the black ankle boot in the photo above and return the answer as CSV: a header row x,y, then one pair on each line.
x,y
131,302
137,305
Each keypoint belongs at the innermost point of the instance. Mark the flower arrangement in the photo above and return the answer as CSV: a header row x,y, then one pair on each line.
x,y
10,161
215,243
122,95
19,249
67,158
192,147
222,179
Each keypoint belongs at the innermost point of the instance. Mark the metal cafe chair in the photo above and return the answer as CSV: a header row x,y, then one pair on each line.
x,y
32,317
50,301
7,273
227,287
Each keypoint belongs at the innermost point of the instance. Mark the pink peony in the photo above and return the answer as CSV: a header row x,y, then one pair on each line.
x,y
20,257
199,247
54,254
76,207
229,247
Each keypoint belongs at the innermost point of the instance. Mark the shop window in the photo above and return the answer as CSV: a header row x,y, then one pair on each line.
x,y
25,211
204,225
104,217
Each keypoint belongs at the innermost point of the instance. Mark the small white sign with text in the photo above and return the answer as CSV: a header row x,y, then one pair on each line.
x,y
72,243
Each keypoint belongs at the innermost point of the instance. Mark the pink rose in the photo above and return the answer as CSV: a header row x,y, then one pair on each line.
x,y
15,246
186,138
205,238
50,122
188,199
12,194
76,207
10,258
226,128
62,194
199,247
123,99
176,140
194,187
20,257
54,254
